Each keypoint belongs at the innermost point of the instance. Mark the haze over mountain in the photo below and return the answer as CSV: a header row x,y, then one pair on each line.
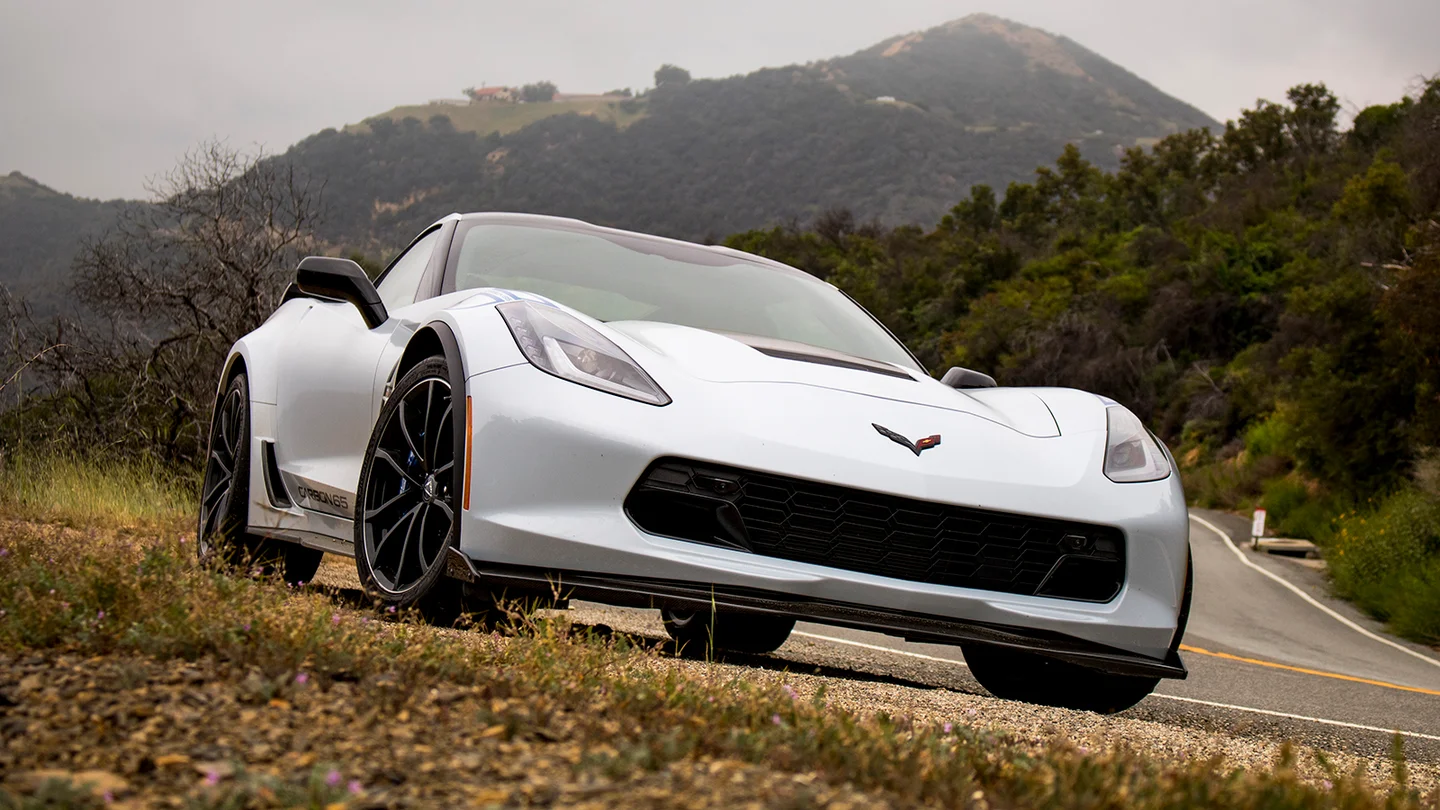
x,y
896,132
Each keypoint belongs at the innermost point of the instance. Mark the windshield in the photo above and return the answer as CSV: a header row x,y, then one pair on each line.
x,y
624,277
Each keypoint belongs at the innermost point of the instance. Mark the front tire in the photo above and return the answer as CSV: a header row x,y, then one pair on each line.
x,y
221,538
1031,678
405,521
696,631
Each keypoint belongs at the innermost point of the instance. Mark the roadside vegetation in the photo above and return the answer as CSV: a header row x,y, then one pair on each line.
x,y
111,492
229,691
1386,556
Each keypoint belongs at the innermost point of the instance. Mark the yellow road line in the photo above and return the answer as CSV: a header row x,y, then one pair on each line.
x,y
1321,673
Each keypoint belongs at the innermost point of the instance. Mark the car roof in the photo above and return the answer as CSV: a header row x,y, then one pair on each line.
x,y
581,226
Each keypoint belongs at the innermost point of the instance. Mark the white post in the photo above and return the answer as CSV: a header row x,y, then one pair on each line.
x,y
1257,528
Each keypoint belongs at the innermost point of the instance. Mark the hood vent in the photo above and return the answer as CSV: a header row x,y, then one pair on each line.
x,y
805,353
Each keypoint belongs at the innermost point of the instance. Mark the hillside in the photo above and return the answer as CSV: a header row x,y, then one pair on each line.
x,y
486,118
897,132
40,231
979,100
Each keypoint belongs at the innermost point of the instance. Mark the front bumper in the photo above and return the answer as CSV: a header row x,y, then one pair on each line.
x,y
553,463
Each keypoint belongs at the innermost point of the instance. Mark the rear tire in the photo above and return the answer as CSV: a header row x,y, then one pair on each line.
x,y
697,631
1031,678
405,517
221,538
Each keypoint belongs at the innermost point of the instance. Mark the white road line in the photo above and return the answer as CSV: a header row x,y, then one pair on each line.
x,y
1286,715
1230,544
1320,720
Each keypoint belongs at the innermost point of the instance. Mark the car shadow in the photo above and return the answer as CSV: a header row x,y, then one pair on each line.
x,y
356,599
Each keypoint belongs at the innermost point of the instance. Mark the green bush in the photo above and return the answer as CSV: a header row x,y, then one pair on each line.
x,y
1297,510
1388,561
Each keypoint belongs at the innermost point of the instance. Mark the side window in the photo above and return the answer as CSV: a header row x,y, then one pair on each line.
x,y
398,287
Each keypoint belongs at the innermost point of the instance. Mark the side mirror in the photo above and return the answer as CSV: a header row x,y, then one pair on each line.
x,y
342,280
958,377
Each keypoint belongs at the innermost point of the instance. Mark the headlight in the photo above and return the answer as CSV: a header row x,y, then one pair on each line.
x,y
559,343
1131,455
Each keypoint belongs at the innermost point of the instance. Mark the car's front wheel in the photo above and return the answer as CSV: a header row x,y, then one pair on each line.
x,y
703,631
406,518
222,538
1024,676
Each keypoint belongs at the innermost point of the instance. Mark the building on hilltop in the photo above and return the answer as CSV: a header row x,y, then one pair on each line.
x,y
490,94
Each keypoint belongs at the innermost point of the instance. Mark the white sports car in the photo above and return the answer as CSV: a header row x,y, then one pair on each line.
x,y
533,404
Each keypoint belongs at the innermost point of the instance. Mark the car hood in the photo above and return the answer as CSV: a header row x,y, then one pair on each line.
x,y
723,358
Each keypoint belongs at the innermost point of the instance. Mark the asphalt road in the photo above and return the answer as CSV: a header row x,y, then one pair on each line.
x,y
1264,660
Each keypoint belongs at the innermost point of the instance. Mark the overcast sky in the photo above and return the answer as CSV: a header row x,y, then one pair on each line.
x,y
96,96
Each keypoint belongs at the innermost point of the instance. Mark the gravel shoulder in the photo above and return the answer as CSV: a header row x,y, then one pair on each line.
x,y
871,681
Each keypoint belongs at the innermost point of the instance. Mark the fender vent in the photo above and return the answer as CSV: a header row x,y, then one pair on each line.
x,y
274,485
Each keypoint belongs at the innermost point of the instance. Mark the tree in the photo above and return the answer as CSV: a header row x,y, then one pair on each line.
x,y
169,288
672,75
539,91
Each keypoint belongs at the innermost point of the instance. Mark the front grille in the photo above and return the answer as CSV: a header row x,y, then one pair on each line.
x,y
879,534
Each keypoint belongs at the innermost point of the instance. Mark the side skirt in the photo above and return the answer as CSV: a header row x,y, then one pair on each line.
x,y
320,542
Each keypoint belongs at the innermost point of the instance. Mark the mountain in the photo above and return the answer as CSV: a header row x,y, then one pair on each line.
x,y
41,229
897,132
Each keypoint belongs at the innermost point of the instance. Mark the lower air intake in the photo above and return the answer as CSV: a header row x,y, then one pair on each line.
x,y
873,533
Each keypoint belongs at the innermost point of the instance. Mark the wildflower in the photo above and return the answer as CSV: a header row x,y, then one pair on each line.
x,y
354,787
246,626
1326,784
4,552
332,778
108,797
182,540
302,678
335,618
100,617
52,591
775,718
391,609
212,777
790,690
948,728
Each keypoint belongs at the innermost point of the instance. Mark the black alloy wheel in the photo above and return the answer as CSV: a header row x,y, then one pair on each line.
x,y
406,521
221,523
222,538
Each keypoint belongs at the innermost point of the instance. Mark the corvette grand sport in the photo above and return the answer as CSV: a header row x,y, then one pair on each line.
x,y
531,405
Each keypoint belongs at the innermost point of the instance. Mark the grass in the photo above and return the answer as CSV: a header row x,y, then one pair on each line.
x,y
94,592
487,117
75,491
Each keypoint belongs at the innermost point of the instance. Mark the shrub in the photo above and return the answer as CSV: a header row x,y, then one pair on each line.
x,y
1388,561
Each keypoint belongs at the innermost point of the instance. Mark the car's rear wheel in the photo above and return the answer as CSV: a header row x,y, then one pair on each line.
x,y
406,520
222,538
704,631
1031,678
